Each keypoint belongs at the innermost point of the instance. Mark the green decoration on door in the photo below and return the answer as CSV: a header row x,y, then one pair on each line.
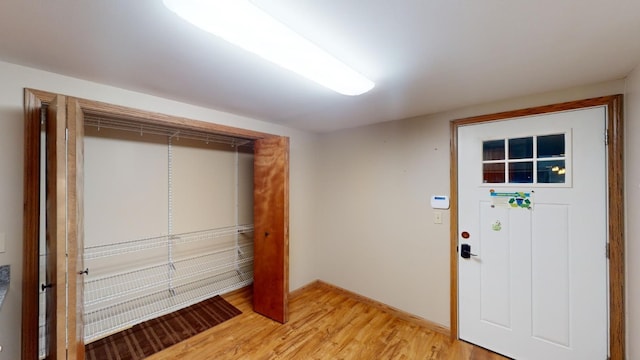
x,y
497,226
520,200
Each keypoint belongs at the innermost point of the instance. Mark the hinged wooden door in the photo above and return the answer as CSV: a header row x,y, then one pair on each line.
x,y
64,229
75,236
271,228
56,222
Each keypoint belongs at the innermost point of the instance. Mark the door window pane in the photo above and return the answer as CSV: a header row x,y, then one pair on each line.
x,y
521,148
536,159
551,172
493,150
493,173
521,172
551,146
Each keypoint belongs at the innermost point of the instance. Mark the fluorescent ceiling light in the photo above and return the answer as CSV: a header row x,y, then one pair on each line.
x,y
243,24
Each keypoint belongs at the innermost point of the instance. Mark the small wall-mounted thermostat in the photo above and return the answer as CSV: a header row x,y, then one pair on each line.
x,y
440,202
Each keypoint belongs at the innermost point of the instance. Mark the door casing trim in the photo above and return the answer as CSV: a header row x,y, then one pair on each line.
x,y
615,180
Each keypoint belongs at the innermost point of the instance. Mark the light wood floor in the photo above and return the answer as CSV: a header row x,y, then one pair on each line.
x,y
324,323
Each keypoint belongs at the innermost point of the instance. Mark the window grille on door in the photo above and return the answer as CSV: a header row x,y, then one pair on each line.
x,y
539,159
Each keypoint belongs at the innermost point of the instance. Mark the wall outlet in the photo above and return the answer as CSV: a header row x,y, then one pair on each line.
x,y
437,217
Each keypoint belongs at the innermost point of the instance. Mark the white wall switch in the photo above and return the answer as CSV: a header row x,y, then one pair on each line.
x,y
2,242
437,217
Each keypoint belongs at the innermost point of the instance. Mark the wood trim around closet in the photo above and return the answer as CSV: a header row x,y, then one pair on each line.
x,y
148,117
34,100
615,161
31,227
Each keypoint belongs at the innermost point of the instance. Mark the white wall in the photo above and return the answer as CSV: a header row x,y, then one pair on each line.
x,y
375,228
122,201
632,204
15,78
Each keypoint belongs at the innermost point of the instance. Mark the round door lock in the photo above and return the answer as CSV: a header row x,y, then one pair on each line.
x,y
465,235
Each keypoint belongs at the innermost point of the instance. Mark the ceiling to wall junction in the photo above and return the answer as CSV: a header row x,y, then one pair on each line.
x,y
425,56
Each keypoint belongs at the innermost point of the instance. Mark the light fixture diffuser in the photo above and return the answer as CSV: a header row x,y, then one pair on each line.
x,y
243,24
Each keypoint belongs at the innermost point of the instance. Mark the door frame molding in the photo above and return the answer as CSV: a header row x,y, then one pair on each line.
x,y
34,100
615,180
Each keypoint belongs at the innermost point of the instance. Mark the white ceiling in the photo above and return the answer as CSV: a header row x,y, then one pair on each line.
x,y
425,56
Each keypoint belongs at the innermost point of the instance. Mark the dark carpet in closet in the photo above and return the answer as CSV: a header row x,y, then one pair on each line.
x,y
157,334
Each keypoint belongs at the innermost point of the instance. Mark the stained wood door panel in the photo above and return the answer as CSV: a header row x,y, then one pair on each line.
x,y
271,227
64,227
75,201
56,227
31,227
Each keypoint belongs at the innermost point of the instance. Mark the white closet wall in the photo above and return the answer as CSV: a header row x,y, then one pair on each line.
x,y
126,186
167,223
204,185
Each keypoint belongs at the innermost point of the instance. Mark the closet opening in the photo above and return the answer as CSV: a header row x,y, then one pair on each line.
x,y
168,221
168,212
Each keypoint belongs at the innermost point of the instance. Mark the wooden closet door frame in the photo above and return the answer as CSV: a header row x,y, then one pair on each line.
x,y
34,100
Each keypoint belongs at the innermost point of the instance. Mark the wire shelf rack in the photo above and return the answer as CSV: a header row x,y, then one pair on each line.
x,y
106,321
127,284
121,298
120,248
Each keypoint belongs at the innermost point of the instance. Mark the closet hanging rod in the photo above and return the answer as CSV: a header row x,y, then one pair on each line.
x,y
151,129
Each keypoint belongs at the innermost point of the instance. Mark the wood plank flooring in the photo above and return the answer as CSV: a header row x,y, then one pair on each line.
x,y
324,323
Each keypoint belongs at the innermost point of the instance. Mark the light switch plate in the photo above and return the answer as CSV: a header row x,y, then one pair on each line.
x,y
437,217
2,242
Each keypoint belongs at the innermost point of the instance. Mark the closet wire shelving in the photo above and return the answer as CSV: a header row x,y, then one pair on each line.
x,y
116,301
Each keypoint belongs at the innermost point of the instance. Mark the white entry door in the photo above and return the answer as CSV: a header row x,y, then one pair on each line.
x,y
532,263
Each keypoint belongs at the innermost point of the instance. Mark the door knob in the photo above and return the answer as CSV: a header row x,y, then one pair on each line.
x,y
465,251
